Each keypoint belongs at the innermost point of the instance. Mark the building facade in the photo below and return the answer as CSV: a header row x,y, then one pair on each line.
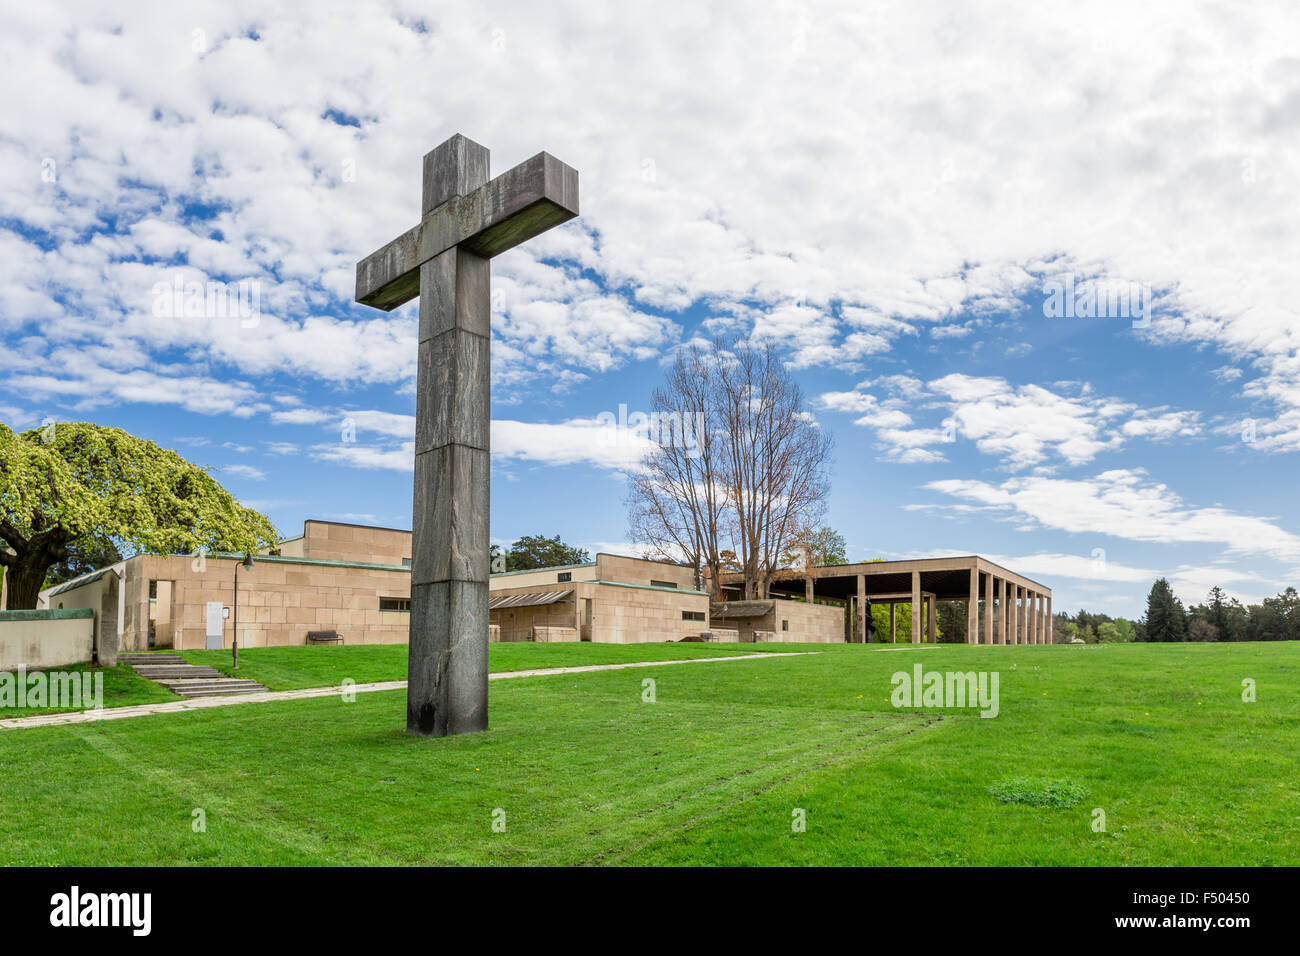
x,y
356,580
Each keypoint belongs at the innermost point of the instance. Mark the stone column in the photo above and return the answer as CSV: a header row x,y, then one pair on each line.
x,y
893,622
1050,623
447,690
1018,605
931,636
862,605
917,611
1000,586
808,589
973,609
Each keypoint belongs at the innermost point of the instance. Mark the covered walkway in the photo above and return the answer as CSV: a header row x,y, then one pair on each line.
x,y
1003,607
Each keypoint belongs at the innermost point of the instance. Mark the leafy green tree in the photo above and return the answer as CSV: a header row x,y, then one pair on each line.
x,y
1117,631
1165,619
534,551
69,487
950,622
817,548
83,557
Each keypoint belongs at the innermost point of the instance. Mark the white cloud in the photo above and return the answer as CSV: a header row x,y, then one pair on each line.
x,y
1024,426
1124,504
588,441
244,471
893,174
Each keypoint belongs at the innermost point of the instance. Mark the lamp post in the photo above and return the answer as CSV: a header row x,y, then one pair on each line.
x,y
247,565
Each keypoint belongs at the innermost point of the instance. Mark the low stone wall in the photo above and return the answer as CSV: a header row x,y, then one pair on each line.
x,y
723,635
545,634
36,639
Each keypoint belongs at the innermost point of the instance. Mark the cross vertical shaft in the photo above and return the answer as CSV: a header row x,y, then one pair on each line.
x,y
465,220
447,691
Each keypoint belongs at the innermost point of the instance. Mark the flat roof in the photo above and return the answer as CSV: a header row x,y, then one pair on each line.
x,y
947,578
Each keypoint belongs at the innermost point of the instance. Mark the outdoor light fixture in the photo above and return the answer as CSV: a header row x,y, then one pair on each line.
x,y
247,565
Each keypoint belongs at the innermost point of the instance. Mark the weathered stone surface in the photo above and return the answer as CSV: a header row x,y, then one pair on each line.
x,y
447,673
455,168
455,293
536,195
452,402
450,539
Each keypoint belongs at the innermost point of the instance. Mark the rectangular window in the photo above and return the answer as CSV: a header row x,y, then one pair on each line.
x,y
394,604
406,562
662,584
692,615
785,625
564,577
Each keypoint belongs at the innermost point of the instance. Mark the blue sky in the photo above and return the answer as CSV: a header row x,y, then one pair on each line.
x,y
887,194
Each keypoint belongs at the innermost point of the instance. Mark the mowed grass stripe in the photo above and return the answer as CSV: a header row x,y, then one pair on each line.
x,y
1158,736
581,771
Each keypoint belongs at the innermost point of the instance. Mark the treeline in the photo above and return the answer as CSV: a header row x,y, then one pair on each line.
x,y
1219,618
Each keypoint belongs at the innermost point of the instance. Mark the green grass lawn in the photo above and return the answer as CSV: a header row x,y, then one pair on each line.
x,y
584,771
290,668
122,687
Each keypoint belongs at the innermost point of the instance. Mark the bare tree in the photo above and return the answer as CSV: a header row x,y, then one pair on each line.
x,y
774,459
742,462
678,500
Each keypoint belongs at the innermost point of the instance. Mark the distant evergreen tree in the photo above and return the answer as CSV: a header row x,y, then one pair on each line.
x,y
534,551
1165,620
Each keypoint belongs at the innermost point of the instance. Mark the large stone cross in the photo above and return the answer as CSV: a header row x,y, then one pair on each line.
x,y
465,221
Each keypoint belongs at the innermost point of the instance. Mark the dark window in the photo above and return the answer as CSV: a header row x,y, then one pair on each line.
x,y
692,615
662,584
785,625
394,604
406,562
564,576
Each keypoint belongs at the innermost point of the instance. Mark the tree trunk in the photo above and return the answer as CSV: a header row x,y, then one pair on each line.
x,y
23,579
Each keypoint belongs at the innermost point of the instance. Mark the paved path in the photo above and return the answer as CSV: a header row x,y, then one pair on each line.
x,y
201,703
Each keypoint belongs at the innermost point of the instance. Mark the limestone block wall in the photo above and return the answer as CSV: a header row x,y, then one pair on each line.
x,y
632,615
802,623
329,541
617,567
742,626
103,595
47,638
280,600
543,579
791,621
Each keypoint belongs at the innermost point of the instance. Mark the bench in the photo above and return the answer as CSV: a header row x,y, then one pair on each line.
x,y
324,637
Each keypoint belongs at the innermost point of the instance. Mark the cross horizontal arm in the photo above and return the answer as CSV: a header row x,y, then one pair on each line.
x,y
536,195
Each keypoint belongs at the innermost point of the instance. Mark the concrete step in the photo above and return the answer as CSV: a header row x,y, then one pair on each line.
x,y
206,681
175,670
134,659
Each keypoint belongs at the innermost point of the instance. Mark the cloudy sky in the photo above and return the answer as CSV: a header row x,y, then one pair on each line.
x,y
894,192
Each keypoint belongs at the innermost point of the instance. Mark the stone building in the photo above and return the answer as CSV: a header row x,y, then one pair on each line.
x,y
614,599
356,580
778,620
